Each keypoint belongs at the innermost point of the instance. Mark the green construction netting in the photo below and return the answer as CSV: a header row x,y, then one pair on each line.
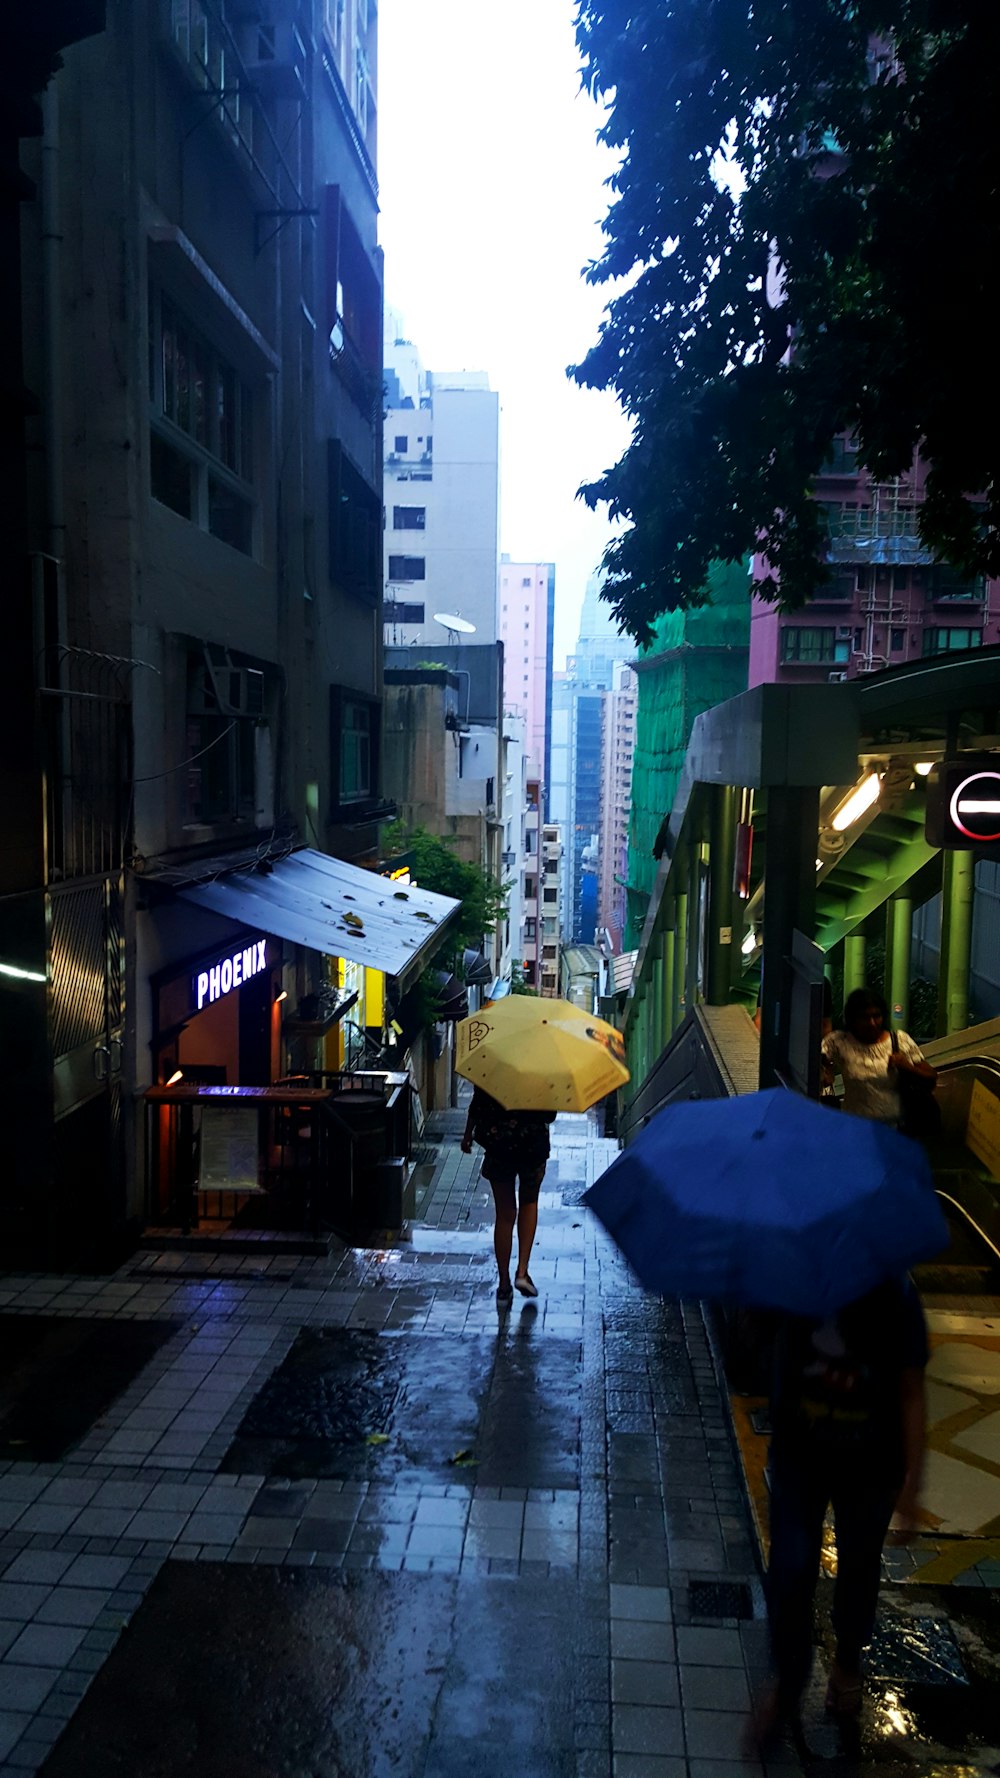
x,y
697,659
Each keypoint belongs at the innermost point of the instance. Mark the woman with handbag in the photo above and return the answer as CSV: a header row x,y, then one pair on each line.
x,y
884,1073
516,1150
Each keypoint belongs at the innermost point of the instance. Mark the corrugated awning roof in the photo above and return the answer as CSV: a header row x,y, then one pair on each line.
x,y
333,907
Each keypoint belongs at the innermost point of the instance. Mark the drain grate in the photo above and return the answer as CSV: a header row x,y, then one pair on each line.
x,y
720,1598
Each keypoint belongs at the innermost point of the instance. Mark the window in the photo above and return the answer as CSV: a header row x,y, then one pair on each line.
x,y
530,888
842,458
355,523
407,568
529,972
805,646
401,444
550,894
354,749
398,612
227,743
527,580
201,429
948,583
353,305
944,641
409,518
530,928
897,640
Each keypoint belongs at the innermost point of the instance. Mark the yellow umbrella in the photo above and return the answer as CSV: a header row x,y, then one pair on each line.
x,y
540,1055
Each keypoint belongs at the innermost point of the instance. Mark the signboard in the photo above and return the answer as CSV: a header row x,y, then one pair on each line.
x,y
982,1129
963,803
231,971
187,988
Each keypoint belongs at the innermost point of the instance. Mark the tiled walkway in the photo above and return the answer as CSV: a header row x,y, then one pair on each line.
x,y
594,1473
652,1502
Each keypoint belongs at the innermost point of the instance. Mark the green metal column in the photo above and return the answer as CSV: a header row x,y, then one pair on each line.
x,y
694,932
957,891
720,894
656,995
680,1002
667,983
854,962
789,906
898,942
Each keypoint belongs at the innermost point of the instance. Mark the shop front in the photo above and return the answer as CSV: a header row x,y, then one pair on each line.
x,y
274,1103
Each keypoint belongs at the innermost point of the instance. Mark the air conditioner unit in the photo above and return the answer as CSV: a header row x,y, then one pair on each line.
x,y
836,678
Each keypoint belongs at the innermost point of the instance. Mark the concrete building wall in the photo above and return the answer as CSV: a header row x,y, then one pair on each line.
x,y
617,754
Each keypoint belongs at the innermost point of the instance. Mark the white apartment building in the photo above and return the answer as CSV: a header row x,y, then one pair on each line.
x,y
513,812
550,910
442,499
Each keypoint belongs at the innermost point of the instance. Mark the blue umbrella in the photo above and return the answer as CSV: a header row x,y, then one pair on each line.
x,y
770,1201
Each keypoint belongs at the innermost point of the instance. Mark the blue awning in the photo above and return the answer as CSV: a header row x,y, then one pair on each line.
x,y
335,908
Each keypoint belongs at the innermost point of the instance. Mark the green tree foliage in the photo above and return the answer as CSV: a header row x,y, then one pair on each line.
x,y
518,985
435,867
865,137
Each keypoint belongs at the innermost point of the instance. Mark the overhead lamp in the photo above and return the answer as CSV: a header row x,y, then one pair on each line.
x,y
924,767
177,1075
858,803
21,975
749,944
278,998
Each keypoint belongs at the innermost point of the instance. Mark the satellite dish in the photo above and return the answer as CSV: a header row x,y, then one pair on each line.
x,y
459,626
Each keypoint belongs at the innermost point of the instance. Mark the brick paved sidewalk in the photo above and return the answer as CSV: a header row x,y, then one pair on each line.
x,y
634,1497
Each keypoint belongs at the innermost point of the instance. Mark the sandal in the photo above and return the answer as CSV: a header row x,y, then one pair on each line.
x,y
505,1293
524,1284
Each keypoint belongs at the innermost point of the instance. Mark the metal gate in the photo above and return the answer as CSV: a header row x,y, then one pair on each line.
x,y
86,935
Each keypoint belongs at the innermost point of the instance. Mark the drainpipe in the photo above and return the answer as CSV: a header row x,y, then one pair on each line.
x,y
55,514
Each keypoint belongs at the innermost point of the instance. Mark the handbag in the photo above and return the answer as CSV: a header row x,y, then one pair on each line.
x,y
920,1113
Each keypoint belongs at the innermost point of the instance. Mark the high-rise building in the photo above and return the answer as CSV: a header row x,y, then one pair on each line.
x,y
525,616
442,499
617,752
193,649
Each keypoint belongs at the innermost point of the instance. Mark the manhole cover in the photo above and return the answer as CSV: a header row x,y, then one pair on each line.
x,y
919,1649
720,1598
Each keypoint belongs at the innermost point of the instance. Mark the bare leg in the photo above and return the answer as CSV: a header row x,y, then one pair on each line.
x,y
505,1204
527,1223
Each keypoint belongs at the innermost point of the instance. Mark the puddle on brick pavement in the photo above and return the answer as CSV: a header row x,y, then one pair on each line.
x,y
931,1696
356,1405
238,1672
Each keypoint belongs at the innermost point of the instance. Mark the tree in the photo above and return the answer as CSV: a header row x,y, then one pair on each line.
x,y
518,985
435,867
855,138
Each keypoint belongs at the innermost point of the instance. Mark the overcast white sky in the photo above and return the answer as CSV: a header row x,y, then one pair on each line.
x,y
492,192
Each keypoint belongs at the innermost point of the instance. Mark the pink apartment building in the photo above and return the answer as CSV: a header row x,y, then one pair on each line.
x,y
617,753
887,600
526,600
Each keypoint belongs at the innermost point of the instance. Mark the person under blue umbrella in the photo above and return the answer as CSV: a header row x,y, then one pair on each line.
x,y
847,1418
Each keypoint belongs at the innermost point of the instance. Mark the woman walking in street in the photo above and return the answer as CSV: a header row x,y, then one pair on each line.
x,y
516,1150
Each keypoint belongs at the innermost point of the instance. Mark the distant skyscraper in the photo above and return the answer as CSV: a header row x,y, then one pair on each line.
x,y
524,626
442,497
599,646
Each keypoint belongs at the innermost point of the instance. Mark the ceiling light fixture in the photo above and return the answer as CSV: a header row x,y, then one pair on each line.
x,y
858,803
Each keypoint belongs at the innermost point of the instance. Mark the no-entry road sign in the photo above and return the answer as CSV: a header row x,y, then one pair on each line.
x,y
963,803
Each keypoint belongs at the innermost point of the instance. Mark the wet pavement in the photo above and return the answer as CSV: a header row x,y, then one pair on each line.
x,y
344,1516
